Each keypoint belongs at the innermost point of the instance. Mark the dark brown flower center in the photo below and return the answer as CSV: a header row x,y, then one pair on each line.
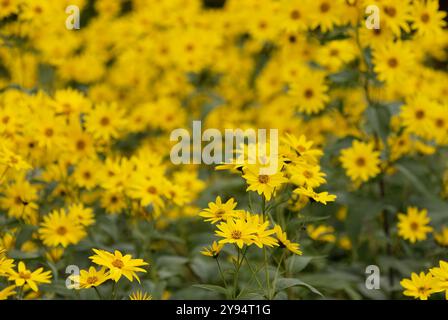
x,y
360,162
236,234
425,18
61,230
309,93
295,15
324,7
105,121
390,11
420,114
263,178
392,62
92,280
117,263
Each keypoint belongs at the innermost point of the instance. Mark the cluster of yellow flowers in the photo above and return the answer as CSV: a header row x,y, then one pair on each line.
x,y
86,117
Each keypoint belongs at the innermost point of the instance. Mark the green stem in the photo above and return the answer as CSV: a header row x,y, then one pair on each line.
x,y
267,273
221,273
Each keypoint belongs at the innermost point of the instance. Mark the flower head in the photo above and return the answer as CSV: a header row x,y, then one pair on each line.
x,y
32,278
119,265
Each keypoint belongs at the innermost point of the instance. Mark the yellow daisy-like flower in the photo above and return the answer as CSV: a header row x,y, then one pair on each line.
x,y
393,61
118,264
263,184
360,161
440,275
84,216
263,234
413,226
309,92
306,175
105,121
396,13
237,231
419,286
59,228
427,19
213,250
12,160
416,115
90,278
140,295
24,276
285,242
218,211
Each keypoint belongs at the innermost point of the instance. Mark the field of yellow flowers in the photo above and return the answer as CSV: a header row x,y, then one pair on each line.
x,y
92,205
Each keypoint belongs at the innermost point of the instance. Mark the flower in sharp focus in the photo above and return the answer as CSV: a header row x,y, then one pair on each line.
x,y
218,211
90,278
119,264
418,286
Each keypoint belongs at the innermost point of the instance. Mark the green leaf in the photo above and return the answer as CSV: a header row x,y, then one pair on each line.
x,y
285,283
298,263
415,181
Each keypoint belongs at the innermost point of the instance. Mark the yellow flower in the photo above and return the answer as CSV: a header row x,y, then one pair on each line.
x,y
218,211
262,235
284,242
12,160
105,121
20,199
263,184
416,115
440,275
90,278
413,226
360,161
396,14
322,197
118,264
212,251
309,92
84,216
419,286
6,292
321,233
427,19
237,231
393,61
32,278
59,228
140,295
442,237
306,175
